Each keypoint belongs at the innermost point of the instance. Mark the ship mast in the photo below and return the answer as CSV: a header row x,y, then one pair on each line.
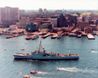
x,y
40,47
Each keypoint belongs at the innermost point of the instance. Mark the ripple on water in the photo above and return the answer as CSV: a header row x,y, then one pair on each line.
x,y
94,52
75,69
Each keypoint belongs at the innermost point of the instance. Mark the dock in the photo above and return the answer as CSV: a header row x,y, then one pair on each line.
x,y
90,36
72,34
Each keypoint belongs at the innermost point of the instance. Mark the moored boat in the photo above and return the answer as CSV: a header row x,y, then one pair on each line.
x,y
79,36
28,37
35,37
72,34
54,36
33,72
26,76
45,36
8,37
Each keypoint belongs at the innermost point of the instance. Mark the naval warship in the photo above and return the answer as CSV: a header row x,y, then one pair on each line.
x,y
42,54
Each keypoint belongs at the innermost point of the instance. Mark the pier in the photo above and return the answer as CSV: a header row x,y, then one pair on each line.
x,y
90,36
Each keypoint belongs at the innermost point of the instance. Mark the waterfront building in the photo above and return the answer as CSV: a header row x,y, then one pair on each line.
x,y
54,22
23,21
97,22
31,27
73,19
13,27
8,16
44,25
61,21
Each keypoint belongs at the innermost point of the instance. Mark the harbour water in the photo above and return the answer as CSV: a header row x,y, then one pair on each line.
x,y
85,67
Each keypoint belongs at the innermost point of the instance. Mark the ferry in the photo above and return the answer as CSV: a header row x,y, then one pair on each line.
x,y
42,55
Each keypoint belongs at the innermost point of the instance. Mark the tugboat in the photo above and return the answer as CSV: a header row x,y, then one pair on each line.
x,y
42,55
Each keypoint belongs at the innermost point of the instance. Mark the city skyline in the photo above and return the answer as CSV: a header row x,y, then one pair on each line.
x,y
51,5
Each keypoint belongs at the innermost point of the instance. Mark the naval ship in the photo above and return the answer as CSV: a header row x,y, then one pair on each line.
x,y
42,54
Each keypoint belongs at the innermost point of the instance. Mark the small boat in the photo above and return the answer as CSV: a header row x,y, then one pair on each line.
x,y
42,33
79,36
60,36
72,34
83,34
15,35
54,36
38,72
26,76
33,72
8,37
28,38
45,36
41,54
35,37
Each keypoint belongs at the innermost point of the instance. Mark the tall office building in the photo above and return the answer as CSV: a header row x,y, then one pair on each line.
x,y
8,16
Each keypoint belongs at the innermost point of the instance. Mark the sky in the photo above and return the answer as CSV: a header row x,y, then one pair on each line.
x,y
51,4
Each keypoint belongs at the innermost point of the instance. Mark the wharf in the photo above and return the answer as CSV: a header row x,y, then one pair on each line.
x,y
90,36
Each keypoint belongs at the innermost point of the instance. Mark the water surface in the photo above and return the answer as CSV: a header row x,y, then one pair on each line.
x,y
86,67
